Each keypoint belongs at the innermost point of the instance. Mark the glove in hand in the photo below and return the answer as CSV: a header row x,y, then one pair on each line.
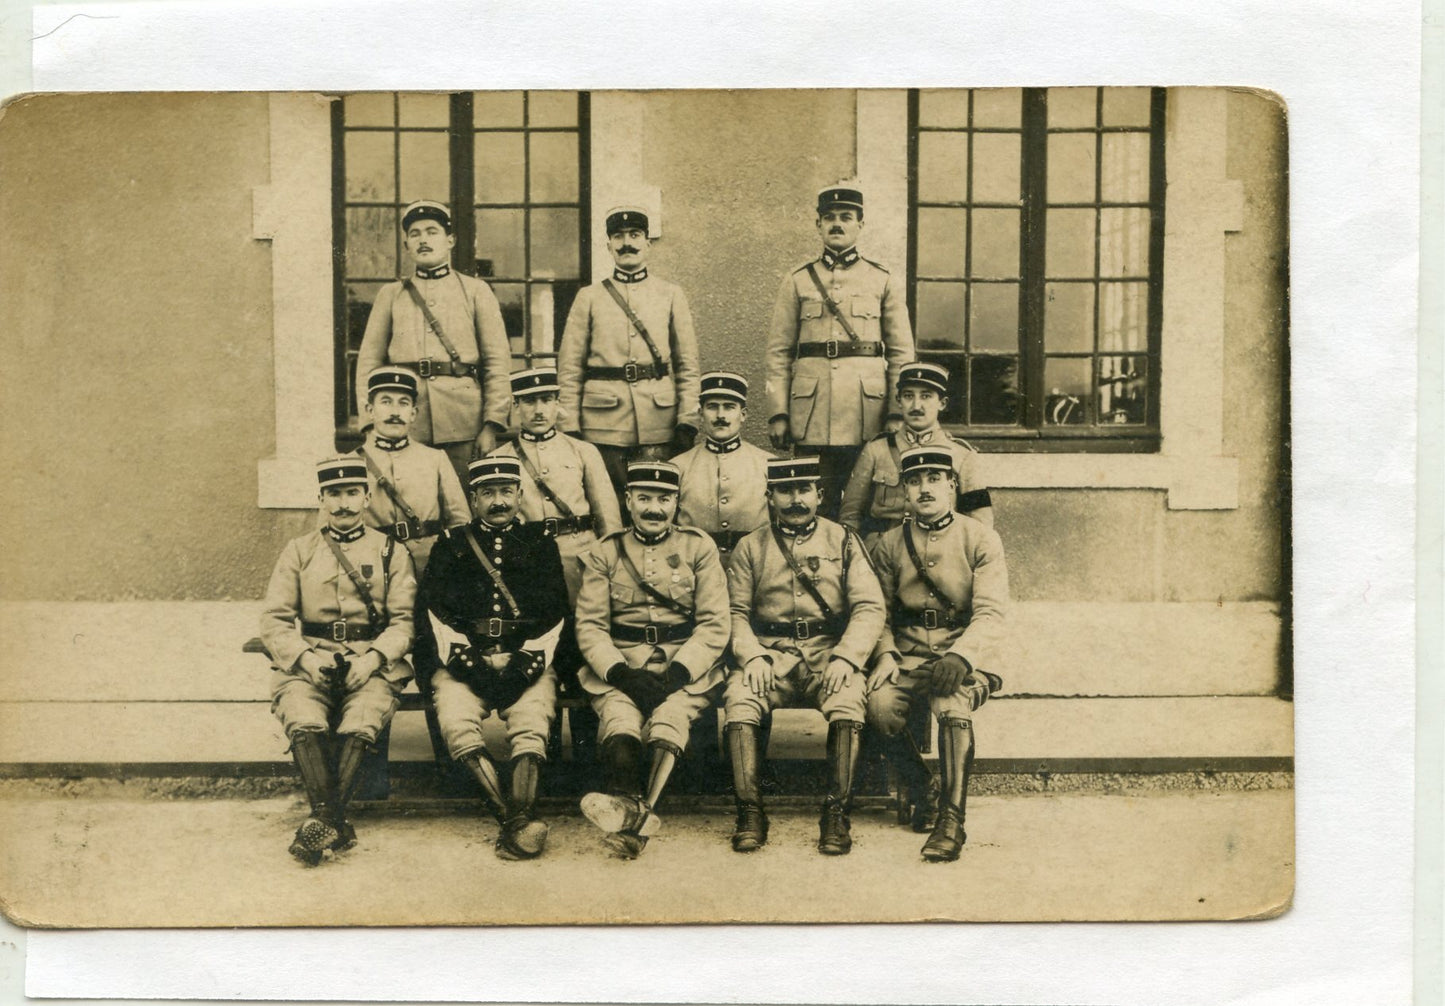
x,y
949,672
645,689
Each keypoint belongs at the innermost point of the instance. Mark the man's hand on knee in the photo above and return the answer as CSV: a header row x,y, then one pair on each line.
x,y
885,672
758,676
363,667
837,675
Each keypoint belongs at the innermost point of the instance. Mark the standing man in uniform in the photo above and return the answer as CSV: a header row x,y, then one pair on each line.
x,y
874,499
628,363
838,337
565,486
413,489
337,624
806,613
447,328
495,613
652,623
724,478
947,585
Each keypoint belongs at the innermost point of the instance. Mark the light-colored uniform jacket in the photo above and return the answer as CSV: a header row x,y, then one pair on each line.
x,y
424,477
723,491
684,566
875,489
837,402
598,334
449,409
309,585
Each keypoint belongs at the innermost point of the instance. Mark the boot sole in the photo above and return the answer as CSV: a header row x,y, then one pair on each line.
x,y
620,848
613,813
528,842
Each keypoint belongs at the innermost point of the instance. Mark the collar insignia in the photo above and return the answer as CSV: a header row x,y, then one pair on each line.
x,y
835,260
388,444
436,272
630,277
726,447
536,437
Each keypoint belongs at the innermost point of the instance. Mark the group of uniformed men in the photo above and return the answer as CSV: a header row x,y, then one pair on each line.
x,y
579,552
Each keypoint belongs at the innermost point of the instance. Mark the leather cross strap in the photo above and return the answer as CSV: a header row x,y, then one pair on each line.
x,y
833,308
637,324
922,575
803,578
389,487
431,320
649,589
492,572
562,508
363,589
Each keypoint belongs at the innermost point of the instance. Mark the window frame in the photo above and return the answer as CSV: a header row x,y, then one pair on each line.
x,y
1031,435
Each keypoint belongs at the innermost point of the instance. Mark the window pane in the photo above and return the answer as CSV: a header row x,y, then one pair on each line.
x,y
373,109
1069,391
554,167
370,167
551,108
425,167
1069,250
1071,168
1072,107
940,315
943,107
993,390
564,292
1123,316
496,108
955,364
359,298
997,107
995,251
942,163
993,318
544,318
499,167
1126,168
942,241
1123,389
554,243
424,109
996,168
1124,242
371,236
1069,318
510,297
499,244
1126,106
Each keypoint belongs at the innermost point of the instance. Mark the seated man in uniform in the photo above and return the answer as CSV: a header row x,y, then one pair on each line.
x,y
337,624
806,613
652,623
495,614
724,477
947,587
415,492
565,485
873,501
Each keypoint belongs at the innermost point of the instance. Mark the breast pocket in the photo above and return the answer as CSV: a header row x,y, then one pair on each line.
x,y
864,306
681,586
809,310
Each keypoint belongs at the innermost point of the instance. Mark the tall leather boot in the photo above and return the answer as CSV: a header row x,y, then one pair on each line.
x,y
348,778
834,829
955,742
316,834
621,812
523,836
751,829
919,788
479,763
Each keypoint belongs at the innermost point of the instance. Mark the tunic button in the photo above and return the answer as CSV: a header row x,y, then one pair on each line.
x,y
723,500
496,607
724,523
932,563
431,302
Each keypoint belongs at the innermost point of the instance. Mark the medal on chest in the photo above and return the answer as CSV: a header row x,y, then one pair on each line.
x,y
366,569
813,563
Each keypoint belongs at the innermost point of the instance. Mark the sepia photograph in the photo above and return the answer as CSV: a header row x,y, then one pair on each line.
x,y
542,507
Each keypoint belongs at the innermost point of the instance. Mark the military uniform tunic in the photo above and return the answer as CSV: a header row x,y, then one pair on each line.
x,y
763,587
450,409
308,585
425,479
683,566
875,499
965,560
598,334
723,490
840,401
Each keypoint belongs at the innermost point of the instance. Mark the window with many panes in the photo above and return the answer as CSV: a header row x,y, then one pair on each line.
x,y
1035,261
512,165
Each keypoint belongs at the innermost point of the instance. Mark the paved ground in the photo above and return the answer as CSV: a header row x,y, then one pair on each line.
x,y
99,861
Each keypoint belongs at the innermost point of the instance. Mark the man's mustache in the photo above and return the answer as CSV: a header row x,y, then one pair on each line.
x,y
795,508
497,508
926,497
392,419
836,230
627,250
344,513
720,423
653,515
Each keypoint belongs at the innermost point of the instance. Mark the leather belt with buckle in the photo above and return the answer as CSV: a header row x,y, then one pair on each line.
x,y
800,628
928,618
496,628
429,368
631,373
339,631
405,530
834,348
652,634
553,526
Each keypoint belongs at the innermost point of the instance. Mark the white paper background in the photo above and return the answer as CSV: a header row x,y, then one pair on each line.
x,y
1349,74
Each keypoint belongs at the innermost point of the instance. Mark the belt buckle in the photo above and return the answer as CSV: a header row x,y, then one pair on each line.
x,y
423,368
401,530
930,618
549,527
338,631
801,630
650,634
630,373
830,349
494,627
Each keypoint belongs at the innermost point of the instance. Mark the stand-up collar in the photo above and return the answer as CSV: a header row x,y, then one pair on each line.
x,y
435,272
623,276
842,259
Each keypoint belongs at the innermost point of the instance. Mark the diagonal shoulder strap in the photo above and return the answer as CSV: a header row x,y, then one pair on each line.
x,y
803,578
553,498
833,308
636,322
431,320
918,568
492,572
363,589
388,486
648,588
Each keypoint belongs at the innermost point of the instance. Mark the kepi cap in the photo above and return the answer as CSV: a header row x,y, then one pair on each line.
x,y
930,375
347,471
621,218
495,469
724,384
654,475
391,379
426,209
924,459
534,381
784,470
840,195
